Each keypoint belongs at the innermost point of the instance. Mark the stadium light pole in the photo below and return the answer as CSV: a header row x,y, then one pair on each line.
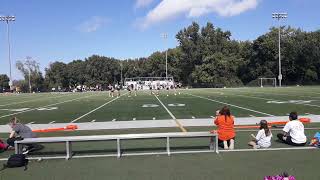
x,y
27,63
279,16
8,19
165,37
121,73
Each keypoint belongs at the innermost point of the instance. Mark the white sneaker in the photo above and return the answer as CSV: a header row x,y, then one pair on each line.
x,y
25,150
225,145
231,144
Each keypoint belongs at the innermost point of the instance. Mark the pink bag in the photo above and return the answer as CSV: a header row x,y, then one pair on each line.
x,y
3,146
278,177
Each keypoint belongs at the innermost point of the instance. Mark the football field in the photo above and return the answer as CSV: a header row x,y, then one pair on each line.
x,y
187,104
45,108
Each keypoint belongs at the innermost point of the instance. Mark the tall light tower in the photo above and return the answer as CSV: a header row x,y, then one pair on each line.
x,y
165,37
27,63
121,73
8,19
279,16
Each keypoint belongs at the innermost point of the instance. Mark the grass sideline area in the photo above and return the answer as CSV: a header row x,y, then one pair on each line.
x,y
238,165
300,163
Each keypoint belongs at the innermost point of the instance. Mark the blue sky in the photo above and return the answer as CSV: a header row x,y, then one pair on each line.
x,y
64,30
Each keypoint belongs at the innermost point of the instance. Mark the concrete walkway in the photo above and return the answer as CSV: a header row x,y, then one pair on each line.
x,y
156,123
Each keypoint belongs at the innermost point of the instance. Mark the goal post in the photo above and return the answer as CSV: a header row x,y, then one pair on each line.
x,y
269,82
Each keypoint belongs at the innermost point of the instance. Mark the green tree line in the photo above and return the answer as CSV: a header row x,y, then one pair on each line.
x,y
205,57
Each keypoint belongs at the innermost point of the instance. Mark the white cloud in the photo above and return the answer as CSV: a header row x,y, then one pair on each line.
x,y
142,3
93,24
168,9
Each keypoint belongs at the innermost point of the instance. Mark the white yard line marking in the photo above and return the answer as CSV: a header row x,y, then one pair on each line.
x,y
93,120
310,114
44,106
31,122
212,116
193,117
169,112
252,115
52,122
114,120
278,94
268,99
230,105
268,149
172,116
96,108
29,100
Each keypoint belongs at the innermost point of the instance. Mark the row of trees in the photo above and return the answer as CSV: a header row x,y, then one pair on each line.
x,y
205,57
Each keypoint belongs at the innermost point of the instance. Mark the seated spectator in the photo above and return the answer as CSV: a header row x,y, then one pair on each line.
x,y
263,138
19,131
293,132
226,133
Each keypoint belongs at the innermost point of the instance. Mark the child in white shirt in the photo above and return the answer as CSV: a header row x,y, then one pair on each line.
x,y
263,138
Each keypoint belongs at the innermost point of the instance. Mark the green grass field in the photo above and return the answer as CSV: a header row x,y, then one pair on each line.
x,y
198,103
45,108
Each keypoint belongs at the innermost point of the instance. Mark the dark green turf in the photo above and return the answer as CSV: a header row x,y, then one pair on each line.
x,y
303,164
127,108
231,165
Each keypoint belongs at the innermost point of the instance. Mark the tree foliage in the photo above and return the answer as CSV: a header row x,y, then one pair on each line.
x,y
205,57
4,82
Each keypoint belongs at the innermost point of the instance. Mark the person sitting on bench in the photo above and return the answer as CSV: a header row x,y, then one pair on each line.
x,y
293,132
225,123
19,131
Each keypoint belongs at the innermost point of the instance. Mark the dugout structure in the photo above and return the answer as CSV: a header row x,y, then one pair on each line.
x,y
147,82
267,82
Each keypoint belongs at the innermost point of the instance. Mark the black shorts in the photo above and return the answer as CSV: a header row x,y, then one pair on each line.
x,y
158,88
288,140
220,142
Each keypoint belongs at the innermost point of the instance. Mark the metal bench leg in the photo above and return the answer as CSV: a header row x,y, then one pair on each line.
x,y
216,144
168,146
17,148
69,150
118,148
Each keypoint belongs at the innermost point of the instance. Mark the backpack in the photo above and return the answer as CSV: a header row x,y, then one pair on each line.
x,y
315,141
16,160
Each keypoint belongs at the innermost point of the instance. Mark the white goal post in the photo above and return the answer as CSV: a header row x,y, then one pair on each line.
x,y
268,82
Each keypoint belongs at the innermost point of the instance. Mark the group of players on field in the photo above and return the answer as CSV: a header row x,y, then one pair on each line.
x,y
154,89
